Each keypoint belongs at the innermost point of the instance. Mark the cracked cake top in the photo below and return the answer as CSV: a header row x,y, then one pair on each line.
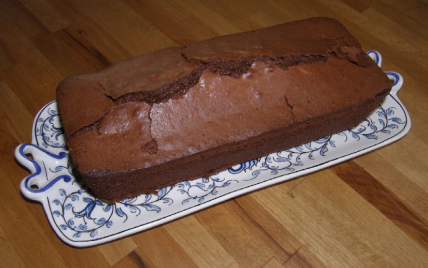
x,y
160,75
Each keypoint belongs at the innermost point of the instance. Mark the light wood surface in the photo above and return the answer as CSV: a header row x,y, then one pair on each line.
x,y
368,212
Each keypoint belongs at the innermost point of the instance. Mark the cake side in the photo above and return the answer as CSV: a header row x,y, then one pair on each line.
x,y
116,186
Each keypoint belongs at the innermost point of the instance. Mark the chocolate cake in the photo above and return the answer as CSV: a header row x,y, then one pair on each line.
x,y
187,112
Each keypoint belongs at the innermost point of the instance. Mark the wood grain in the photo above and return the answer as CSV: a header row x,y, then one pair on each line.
x,y
368,212
384,200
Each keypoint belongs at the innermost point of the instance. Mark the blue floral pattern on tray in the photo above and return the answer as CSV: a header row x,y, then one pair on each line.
x,y
81,219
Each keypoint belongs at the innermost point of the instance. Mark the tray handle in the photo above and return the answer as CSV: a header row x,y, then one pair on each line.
x,y
376,56
46,169
398,81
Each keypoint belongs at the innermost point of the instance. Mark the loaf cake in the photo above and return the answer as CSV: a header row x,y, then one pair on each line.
x,y
188,112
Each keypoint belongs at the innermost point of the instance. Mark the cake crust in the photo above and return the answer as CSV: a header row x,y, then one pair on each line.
x,y
188,112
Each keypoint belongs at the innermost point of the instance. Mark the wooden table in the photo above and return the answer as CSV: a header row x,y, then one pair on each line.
x,y
371,211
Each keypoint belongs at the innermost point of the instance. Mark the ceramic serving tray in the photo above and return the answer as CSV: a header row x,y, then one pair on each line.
x,y
82,220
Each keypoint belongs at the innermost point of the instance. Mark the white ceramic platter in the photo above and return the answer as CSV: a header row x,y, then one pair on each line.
x,y
82,220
